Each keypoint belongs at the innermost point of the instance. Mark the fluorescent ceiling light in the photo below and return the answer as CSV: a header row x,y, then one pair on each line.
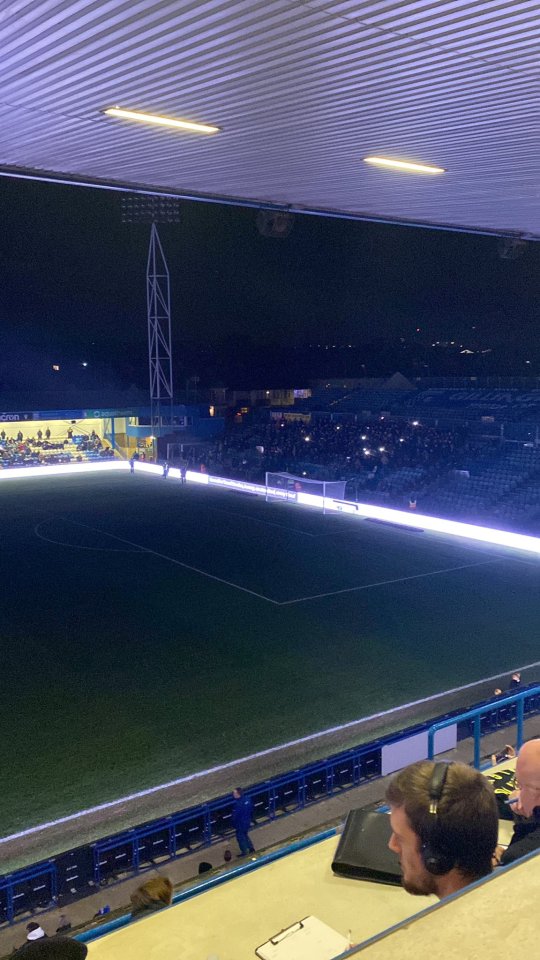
x,y
161,121
403,165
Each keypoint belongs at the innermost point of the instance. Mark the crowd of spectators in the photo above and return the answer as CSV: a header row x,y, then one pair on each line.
x,y
42,448
394,461
368,452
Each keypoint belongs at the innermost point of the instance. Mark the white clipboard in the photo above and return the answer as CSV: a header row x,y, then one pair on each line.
x,y
308,939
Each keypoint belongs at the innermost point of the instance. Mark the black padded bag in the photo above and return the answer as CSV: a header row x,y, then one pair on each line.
x,y
363,853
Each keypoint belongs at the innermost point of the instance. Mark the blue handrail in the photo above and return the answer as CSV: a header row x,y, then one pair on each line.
x,y
477,714
216,881
77,872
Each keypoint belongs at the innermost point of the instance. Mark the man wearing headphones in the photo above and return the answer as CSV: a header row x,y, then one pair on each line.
x,y
444,826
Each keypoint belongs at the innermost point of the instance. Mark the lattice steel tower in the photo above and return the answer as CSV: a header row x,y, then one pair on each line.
x,y
158,298
143,208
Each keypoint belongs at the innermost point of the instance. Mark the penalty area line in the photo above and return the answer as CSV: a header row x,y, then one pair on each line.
x,y
75,546
178,563
309,738
383,583
269,523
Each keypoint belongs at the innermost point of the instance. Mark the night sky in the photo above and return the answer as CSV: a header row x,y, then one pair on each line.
x,y
73,284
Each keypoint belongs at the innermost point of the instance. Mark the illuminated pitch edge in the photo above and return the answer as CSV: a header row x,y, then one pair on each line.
x,y
61,469
310,737
453,528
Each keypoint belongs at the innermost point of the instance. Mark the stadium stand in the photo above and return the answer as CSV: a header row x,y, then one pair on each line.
x,y
31,451
291,889
503,486
283,884
461,403
508,404
341,449
466,453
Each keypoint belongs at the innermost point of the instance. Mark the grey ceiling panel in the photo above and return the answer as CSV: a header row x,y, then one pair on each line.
x,y
302,91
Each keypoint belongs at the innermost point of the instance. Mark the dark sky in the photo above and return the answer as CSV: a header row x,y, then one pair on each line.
x,y
73,276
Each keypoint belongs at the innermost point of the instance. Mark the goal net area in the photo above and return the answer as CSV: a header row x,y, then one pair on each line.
x,y
286,486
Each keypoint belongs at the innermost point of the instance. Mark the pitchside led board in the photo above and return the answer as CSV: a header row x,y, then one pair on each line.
x,y
395,756
16,417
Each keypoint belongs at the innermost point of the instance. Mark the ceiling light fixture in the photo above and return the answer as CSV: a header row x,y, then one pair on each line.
x,y
403,165
160,121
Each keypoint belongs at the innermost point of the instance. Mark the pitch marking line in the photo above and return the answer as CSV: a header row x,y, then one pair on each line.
x,y
309,738
178,563
76,546
382,583
269,523
528,563
260,596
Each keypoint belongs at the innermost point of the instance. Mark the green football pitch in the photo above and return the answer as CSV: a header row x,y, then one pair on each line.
x,y
150,630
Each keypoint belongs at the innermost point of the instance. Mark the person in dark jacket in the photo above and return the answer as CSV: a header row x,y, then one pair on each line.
x,y
242,817
53,948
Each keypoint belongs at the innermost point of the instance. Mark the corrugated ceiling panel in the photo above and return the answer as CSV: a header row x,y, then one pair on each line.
x,y
302,91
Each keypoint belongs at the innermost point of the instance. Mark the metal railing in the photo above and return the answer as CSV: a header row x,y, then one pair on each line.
x,y
478,713
79,872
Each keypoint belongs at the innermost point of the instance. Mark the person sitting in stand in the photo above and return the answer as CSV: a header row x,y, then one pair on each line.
x,y
153,895
444,825
507,754
525,804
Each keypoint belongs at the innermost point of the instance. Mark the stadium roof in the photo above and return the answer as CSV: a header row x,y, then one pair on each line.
x,y
301,92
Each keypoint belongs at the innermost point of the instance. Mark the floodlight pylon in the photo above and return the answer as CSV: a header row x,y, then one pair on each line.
x,y
158,296
152,209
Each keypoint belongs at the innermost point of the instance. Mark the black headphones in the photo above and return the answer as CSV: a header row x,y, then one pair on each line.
x,y
435,853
